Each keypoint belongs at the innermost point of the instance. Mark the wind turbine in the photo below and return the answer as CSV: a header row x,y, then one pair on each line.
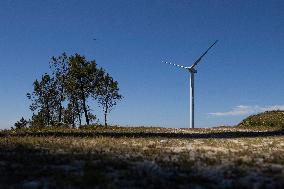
x,y
192,71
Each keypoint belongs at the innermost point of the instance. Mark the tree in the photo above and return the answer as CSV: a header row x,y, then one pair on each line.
x,y
80,80
72,113
65,96
21,124
107,94
38,120
45,98
59,66
69,115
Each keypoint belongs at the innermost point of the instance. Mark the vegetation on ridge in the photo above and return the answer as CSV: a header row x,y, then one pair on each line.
x,y
269,119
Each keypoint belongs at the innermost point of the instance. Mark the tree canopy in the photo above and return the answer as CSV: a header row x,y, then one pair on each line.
x,y
64,96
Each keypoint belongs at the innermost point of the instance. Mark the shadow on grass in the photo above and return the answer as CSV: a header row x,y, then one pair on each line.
x,y
208,135
27,167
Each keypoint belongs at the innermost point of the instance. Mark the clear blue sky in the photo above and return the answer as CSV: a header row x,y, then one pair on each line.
x,y
242,74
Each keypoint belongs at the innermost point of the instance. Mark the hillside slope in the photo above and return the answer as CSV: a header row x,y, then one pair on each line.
x,y
268,119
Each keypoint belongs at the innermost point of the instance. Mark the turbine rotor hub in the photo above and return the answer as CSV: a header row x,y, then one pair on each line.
x,y
192,70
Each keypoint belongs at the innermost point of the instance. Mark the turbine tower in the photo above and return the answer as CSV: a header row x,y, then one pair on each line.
x,y
192,71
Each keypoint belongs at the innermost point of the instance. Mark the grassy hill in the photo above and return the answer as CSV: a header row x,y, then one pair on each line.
x,y
268,119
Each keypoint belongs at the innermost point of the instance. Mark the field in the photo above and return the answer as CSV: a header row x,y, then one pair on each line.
x,y
117,157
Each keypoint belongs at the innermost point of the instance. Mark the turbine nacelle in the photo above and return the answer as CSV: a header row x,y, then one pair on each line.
x,y
192,70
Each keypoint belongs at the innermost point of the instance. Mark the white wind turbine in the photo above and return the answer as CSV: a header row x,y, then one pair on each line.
x,y
192,71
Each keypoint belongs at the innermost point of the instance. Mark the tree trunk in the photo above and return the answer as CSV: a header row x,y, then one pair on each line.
x,y
78,112
47,113
73,121
106,110
105,118
85,106
79,116
60,108
60,113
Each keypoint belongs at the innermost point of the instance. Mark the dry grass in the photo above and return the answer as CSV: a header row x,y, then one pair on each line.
x,y
117,157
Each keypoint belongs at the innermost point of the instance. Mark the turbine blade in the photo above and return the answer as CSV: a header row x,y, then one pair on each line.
x,y
199,59
176,65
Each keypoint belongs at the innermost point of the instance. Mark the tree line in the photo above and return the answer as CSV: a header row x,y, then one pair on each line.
x,y
63,97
